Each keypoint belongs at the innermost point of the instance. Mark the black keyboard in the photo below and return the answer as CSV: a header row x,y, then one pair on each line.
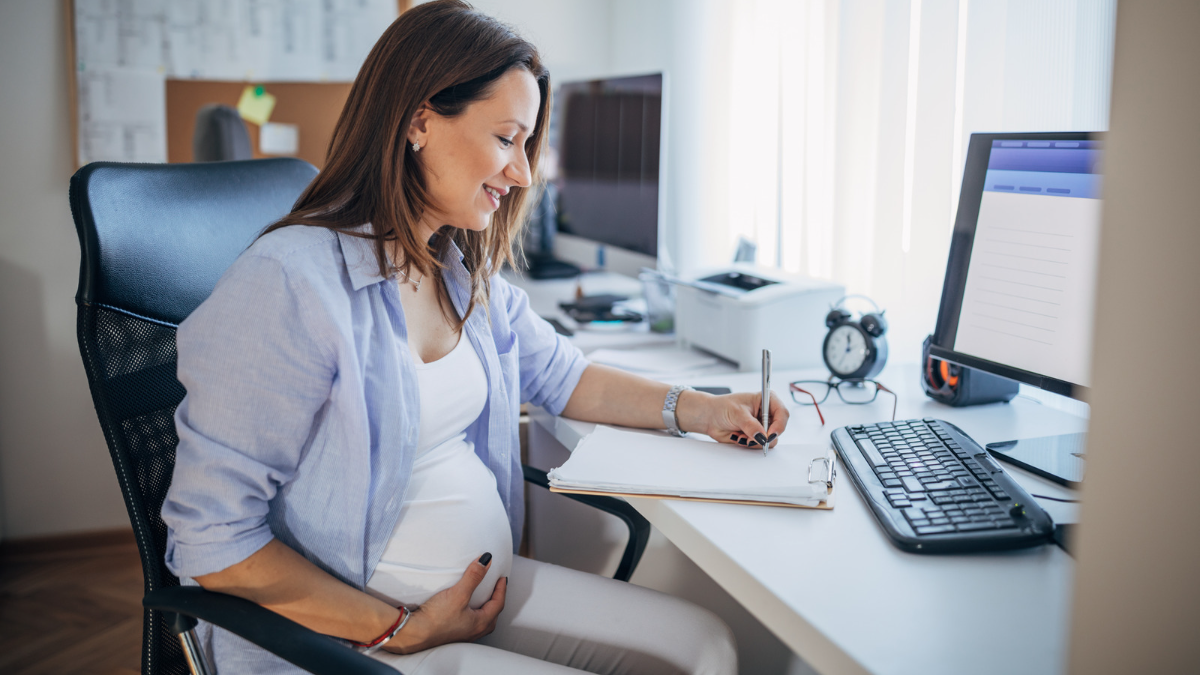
x,y
934,490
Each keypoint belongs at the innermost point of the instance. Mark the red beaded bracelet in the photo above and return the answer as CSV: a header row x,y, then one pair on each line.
x,y
388,634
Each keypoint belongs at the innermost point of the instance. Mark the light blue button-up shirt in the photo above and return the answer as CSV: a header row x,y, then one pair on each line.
x,y
301,416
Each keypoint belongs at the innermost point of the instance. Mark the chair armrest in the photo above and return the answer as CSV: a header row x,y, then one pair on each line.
x,y
281,636
639,527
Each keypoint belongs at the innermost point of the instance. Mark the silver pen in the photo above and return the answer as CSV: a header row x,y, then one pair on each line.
x,y
765,415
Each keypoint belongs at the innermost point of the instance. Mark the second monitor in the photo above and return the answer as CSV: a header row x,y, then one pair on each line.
x,y
608,137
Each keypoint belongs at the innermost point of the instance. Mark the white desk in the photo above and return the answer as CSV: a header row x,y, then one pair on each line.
x,y
835,590
544,297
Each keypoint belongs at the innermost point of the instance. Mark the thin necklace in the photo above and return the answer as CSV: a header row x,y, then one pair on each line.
x,y
415,284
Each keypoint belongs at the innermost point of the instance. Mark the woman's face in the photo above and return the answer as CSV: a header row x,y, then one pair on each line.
x,y
472,160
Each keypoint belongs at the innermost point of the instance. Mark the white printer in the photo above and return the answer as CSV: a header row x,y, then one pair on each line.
x,y
737,311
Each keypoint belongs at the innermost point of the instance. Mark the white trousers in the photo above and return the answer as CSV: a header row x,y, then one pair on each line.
x,y
558,621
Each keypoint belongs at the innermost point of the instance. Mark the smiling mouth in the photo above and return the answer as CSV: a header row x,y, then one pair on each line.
x,y
493,192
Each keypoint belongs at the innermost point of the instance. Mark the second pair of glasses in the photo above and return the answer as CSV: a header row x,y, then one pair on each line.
x,y
853,391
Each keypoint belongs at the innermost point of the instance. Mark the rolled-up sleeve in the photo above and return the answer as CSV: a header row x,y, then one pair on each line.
x,y
257,362
550,365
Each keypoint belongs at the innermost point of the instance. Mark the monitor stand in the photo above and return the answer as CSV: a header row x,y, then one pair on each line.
x,y
1057,458
542,266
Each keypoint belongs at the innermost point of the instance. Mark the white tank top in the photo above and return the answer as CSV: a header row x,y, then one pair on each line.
x,y
452,513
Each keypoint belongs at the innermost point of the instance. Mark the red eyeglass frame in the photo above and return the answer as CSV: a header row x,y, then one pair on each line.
x,y
880,385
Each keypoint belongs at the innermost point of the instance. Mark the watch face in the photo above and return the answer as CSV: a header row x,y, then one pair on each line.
x,y
846,350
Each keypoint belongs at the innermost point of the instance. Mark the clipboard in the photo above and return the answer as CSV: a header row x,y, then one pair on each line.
x,y
623,463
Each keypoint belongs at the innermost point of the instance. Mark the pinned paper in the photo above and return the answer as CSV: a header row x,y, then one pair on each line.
x,y
255,105
278,139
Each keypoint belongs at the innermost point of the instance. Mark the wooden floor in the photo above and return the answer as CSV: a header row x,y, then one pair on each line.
x,y
71,605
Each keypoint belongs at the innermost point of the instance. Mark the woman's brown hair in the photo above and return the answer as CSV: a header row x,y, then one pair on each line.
x,y
447,54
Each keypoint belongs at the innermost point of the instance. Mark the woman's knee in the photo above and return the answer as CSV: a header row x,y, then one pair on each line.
x,y
717,648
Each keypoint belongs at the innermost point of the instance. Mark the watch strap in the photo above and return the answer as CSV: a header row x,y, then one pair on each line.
x,y
670,417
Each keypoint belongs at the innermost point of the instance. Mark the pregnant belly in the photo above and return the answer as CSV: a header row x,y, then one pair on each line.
x,y
452,514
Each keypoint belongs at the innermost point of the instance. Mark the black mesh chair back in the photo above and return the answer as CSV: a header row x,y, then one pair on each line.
x,y
155,239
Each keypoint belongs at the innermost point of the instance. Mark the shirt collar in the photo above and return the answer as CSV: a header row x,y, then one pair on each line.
x,y
361,264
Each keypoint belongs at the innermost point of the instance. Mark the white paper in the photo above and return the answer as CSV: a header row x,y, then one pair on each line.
x,y
122,115
275,138
630,462
128,33
654,360
272,40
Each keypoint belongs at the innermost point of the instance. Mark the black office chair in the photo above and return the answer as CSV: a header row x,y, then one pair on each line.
x,y
154,240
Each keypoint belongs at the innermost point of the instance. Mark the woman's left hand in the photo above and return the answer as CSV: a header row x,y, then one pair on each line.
x,y
732,418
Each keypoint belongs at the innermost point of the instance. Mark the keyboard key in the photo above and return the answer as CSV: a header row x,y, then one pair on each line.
x,y
872,453
892,483
972,527
1001,495
959,519
943,485
916,497
919,522
1005,523
939,521
935,529
912,484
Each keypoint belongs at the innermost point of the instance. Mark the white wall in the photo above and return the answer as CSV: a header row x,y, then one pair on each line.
x,y
1136,591
55,473
572,35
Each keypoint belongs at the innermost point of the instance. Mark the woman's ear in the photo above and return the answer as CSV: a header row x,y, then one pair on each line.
x,y
419,126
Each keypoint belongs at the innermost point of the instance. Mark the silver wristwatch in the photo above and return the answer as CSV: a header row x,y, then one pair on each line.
x,y
670,418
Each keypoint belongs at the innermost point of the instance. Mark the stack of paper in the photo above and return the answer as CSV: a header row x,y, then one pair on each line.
x,y
653,464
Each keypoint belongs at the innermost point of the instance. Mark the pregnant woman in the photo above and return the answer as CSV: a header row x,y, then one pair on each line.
x,y
348,451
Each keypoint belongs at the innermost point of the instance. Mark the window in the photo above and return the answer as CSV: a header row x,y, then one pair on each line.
x,y
850,118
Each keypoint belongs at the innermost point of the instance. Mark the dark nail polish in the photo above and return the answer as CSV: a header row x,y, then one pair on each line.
x,y
742,441
753,444
485,559
733,437
762,440
771,437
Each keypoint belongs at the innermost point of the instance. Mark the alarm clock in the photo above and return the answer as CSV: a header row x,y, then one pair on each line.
x,y
855,348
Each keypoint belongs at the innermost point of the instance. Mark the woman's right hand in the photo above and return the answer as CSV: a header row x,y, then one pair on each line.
x,y
447,616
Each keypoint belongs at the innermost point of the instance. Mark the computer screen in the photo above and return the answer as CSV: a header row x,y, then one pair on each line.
x,y
1020,289
608,137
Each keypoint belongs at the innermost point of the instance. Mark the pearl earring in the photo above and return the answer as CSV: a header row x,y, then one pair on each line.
x,y
416,146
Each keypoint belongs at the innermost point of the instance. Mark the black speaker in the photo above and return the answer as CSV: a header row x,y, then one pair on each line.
x,y
960,386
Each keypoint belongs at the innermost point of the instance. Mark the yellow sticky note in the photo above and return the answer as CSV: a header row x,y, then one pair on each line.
x,y
255,105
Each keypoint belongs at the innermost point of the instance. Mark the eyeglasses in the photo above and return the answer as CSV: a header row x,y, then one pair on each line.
x,y
854,392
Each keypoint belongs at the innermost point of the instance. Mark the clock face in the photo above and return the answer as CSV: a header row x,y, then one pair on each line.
x,y
846,350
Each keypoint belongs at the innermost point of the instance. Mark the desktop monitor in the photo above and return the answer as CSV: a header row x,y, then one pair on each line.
x,y
1020,289
608,135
